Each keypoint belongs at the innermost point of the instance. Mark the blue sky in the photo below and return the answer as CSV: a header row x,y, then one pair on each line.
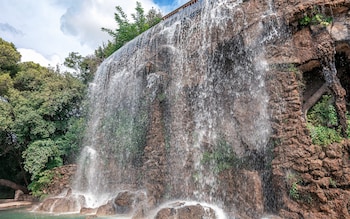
x,y
45,31
163,2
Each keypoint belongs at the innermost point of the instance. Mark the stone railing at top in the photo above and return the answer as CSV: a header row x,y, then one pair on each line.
x,y
179,9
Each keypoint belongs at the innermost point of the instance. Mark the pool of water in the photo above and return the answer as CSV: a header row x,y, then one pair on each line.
x,y
23,214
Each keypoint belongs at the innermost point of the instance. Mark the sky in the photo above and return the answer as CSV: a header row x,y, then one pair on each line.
x,y
46,31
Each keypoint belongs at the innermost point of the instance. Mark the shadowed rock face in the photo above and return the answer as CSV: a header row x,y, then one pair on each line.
x,y
206,107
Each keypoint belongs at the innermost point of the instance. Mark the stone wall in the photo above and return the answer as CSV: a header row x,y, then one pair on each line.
x,y
310,181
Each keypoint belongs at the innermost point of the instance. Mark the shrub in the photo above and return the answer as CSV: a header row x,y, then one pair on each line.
x,y
323,122
324,136
38,186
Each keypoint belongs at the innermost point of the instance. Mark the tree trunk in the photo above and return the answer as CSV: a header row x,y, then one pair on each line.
x,y
314,98
12,185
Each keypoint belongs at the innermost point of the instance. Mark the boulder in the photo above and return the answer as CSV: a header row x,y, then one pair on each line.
x,y
106,210
186,212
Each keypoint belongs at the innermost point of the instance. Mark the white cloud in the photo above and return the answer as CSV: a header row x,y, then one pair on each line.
x,y
39,23
32,55
45,27
85,19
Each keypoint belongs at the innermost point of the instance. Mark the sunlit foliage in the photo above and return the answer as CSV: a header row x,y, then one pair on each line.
x,y
128,30
40,116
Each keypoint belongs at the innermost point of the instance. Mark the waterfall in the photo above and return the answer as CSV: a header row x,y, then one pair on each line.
x,y
202,77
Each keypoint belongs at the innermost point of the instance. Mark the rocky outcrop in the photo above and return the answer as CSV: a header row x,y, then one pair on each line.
x,y
186,212
62,204
61,180
311,180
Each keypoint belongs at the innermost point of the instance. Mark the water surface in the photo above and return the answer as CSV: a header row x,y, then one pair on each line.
x,y
23,214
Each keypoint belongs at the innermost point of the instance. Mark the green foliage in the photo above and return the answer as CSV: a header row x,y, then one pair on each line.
x,y
40,155
127,30
306,20
221,158
332,183
85,67
40,117
324,136
316,17
5,84
9,57
70,142
323,122
323,113
38,186
293,180
293,191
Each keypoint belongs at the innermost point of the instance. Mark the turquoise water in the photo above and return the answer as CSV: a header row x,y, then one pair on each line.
x,y
23,214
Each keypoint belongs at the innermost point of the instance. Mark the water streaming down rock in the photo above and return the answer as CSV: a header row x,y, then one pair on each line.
x,y
176,107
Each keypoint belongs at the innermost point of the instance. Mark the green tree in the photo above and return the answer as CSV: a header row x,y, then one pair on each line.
x,y
153,17
127,30
41,119
6,83
9,57
85,67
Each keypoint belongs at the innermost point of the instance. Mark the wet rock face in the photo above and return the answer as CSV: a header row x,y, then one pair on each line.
x,y
128,202
124,202
106,209
245,192
186,212
59,205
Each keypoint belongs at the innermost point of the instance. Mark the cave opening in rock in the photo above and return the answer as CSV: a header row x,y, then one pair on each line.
x,y
313,79
343,69
319,101
314,86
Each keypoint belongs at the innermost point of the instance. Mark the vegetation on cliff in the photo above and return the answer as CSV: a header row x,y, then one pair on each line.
x,y
323,122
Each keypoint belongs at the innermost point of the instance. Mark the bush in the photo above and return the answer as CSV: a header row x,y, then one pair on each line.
x,y
41,155
38,187
323,122
324,136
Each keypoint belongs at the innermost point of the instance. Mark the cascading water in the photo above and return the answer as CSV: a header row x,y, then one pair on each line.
x,y
195,82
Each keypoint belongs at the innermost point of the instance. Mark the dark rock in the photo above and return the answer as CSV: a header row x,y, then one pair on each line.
x,y
186,212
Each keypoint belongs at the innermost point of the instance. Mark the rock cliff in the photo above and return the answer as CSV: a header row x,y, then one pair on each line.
x,y
310,181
